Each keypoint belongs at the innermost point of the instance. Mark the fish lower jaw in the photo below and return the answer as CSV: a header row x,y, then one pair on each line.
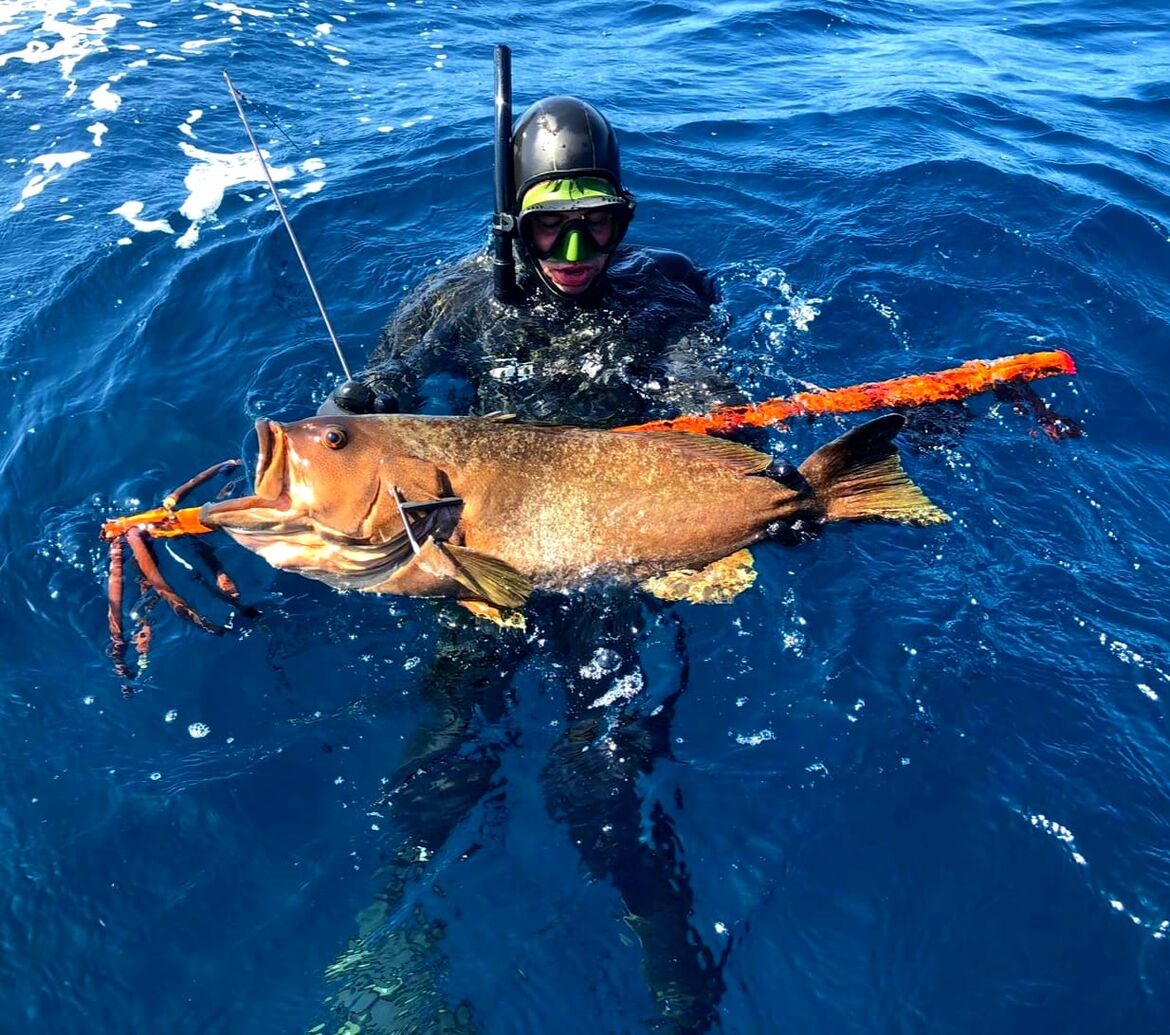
x,y
254,515
336,561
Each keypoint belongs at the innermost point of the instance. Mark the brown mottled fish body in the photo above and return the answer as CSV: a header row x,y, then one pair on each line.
x,y
556,507
566,505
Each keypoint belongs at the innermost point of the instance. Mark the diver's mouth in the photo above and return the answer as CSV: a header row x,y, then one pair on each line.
x,y
269,508
574,276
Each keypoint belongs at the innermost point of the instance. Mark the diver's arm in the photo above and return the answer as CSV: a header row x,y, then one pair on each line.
x,y
695,363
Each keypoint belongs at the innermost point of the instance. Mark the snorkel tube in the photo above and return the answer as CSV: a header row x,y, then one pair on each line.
x,y
504,224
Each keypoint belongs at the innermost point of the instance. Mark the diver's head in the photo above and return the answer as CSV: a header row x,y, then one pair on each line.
x,y
571,208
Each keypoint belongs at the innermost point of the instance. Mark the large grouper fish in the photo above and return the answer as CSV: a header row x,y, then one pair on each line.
x,y
487,510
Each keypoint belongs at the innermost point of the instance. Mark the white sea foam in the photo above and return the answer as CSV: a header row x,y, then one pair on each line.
x,y
48,162
228,8
210,177
1062,833
185,127
623,689
75,40
104,99
59,159
99,130
195,46
313,187
754,739
603,662
131,210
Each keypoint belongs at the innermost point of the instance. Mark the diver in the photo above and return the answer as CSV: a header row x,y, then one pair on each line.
x,y
589,331
592,332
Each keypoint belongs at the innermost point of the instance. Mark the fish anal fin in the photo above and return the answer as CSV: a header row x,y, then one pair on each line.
x,y
486,578
510,619
720,582
703,447
858,477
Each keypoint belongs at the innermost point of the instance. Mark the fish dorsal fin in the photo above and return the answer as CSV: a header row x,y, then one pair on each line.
x,y
735,455
487,578
859,476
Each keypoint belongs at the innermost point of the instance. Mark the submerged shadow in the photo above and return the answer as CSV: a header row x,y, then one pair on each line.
x,y
392,975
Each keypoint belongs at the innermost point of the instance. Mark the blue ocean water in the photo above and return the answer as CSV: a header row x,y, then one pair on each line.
x,y
916,781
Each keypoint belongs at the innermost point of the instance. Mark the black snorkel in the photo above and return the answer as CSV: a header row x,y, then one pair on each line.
x,y
504,224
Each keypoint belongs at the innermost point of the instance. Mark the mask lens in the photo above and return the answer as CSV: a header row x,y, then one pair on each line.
x,y
573,235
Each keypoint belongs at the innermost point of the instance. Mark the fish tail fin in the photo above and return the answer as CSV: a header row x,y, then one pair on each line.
x,y
858,477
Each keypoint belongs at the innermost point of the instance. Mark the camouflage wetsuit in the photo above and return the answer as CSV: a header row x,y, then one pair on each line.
x,y
641,349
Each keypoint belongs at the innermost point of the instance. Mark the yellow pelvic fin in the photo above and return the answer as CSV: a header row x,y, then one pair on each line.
x,y
504,619
718,583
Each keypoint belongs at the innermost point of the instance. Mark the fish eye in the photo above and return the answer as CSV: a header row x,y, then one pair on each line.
x,y
334,437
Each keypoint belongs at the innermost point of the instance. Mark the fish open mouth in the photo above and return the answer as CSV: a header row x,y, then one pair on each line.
x,y
269,508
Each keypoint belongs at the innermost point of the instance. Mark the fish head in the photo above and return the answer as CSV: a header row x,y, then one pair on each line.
x,y
323,498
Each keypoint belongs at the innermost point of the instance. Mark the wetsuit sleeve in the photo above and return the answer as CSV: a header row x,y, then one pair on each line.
x,y
678,269
695,374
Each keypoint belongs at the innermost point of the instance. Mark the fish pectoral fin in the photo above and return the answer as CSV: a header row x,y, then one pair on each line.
x,y
490,578
718,583
487,578
859,477
703,447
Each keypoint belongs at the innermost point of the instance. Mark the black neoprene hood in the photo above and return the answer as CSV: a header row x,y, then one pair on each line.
x,y
562,138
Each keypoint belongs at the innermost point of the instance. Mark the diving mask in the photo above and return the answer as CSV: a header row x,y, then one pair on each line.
x,y
574,220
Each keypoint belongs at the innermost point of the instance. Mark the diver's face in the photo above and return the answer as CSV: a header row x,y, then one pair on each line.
x,y
573,278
